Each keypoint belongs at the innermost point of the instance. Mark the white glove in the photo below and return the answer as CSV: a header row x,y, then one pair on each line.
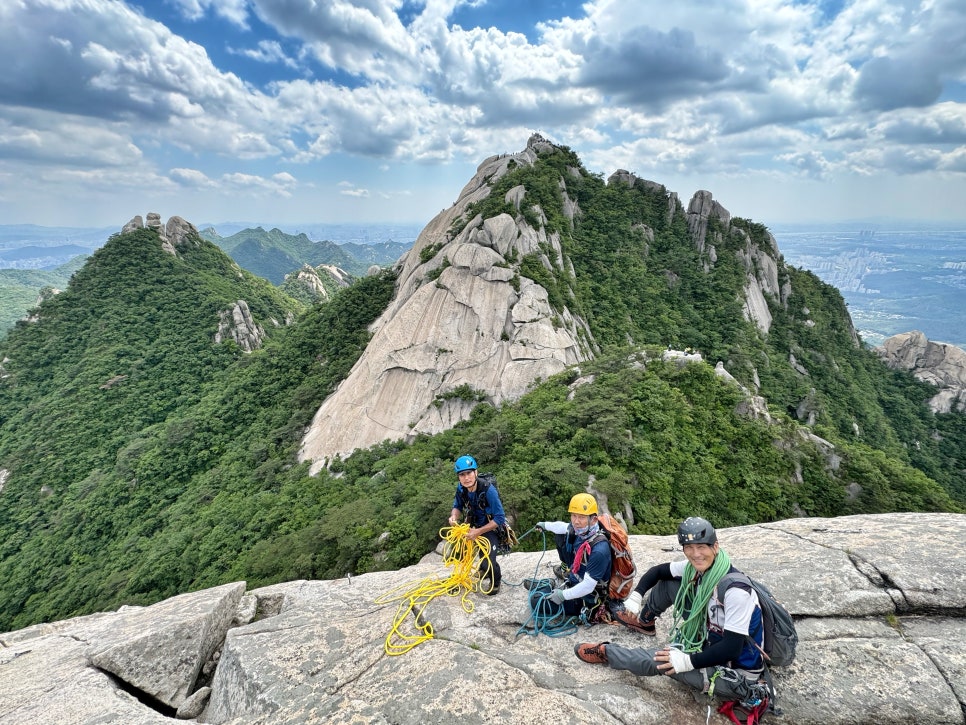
x,y
680,661
634,602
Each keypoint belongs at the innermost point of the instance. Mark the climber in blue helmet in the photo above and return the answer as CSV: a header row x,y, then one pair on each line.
x,y
479,501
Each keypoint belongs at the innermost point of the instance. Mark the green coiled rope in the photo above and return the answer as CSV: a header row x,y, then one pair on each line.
x,y
690,626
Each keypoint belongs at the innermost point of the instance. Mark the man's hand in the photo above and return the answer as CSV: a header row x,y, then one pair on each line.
x,y
453,520
634,602
557,596
675,661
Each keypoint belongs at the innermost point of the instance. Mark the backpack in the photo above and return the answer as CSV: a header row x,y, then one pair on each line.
x,y
622,567
506,537
777,624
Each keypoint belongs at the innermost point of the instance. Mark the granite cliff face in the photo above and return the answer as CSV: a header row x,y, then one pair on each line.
x,y
879,603
938,363
466,325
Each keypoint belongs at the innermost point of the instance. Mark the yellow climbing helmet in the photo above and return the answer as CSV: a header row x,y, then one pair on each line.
x,y
583,503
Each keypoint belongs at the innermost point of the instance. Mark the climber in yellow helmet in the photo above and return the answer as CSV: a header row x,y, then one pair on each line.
x,y
585,561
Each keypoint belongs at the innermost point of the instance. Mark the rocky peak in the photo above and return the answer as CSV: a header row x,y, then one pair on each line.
x,y
938,363
878,609
238,324
308,277
761,263
538,144
701,210
464,325
176,233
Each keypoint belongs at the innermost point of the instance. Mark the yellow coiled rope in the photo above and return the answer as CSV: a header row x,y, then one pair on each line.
x,y
465,558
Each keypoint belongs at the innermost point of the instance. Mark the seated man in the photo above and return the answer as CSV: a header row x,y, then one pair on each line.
x,y
585,557
715,637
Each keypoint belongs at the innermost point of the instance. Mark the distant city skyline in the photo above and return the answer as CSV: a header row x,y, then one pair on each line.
x,y
785,110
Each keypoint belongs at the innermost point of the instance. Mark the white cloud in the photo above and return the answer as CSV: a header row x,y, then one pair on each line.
x,y
944,124
280,184
192,178
362,38
45,138
267,51
740,89
235,11
811,164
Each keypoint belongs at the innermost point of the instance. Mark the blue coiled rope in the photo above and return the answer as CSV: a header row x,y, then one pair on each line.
x,y
557,624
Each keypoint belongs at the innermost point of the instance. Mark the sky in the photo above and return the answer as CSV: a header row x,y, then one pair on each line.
x,y
295,111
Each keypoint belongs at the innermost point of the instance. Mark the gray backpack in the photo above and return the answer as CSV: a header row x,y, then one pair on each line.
x,y
781,639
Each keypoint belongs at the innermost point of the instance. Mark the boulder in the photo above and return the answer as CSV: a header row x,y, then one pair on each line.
x,y
160,650
175,233
136,665
879,602
938,363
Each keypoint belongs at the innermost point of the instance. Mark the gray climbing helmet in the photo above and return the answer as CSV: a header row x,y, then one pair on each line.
x,y
695,530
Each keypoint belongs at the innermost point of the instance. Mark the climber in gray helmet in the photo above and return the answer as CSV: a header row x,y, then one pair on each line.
x,y
716,637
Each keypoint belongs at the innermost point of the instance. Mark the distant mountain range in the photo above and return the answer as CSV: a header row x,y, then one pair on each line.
x,y
34,257
274,254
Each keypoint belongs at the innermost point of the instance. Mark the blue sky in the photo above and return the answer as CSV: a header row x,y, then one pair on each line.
x,y
298,111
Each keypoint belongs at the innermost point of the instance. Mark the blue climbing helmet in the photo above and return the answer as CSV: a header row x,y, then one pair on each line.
x,y
465,463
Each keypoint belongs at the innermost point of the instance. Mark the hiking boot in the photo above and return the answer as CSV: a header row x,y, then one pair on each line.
x,y
488,587
643,626
595,654
561,571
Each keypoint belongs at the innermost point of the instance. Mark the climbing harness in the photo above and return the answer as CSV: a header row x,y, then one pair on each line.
x,y
466,558
752,710
752,706
506,538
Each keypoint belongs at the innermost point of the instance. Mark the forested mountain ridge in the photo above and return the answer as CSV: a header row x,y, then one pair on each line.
x,y
140,458
274,254
540,264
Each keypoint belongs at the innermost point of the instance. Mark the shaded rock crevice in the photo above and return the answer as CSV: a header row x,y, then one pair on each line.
x,y
141,696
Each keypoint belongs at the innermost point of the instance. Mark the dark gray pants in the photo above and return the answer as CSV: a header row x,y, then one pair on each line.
x,y
491,566
729,684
